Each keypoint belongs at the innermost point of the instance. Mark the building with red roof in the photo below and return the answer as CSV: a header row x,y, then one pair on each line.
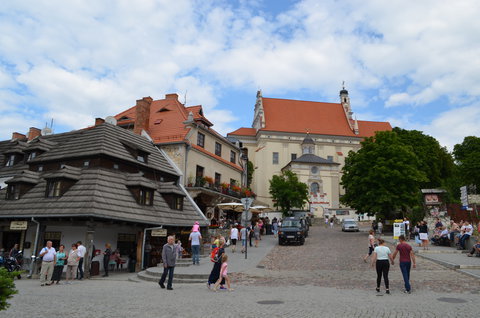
x,y
310,138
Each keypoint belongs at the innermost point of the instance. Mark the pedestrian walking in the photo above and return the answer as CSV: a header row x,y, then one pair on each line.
x,y
179,249
380,260
223,274
380,227
146,255
195,238
215,273
106,258
243,237
423,234
49,258
416,231
331,223
168,258
407,258
256,232
81,253
61,261
406,226
234,237
371,244
250,234
326,221
72,263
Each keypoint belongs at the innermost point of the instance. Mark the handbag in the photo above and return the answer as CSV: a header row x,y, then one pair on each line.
x,y
228,242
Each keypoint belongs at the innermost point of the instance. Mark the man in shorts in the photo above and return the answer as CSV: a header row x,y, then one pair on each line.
x,y
234,237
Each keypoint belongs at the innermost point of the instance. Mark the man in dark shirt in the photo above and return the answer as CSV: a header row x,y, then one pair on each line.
x,y
406,258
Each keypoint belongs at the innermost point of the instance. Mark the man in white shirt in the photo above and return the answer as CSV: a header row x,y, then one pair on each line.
x,y
467,231
234,237
49,258
81,253
195,239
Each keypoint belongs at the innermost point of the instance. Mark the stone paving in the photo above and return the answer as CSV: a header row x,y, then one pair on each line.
x,y
324,278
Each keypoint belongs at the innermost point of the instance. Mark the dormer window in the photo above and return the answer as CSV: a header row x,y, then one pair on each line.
x,y
54,188
145,196
201,140
164,109
13,192
32,155
10,160
86,163
142,156
175,202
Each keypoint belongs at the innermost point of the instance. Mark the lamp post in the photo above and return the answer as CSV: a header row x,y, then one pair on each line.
x,y
247,203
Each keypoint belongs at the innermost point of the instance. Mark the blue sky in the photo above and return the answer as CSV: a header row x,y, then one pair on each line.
x,y
413,63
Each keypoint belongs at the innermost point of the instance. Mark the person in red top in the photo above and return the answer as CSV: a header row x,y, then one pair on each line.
x,y
407,257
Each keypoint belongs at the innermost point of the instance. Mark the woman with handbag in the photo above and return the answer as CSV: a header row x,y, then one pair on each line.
x,y
215,273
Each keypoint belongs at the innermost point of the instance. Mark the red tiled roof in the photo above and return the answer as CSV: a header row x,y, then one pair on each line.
x,y
244,132
297,116
217,157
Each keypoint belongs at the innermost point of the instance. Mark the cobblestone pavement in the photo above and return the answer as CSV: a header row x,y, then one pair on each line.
x,y
332,258
324,278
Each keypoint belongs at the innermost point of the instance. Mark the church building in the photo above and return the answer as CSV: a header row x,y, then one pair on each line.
x,y
310,138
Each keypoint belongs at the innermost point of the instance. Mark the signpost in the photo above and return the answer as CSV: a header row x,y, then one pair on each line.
x,y
246,215
464,197
398,228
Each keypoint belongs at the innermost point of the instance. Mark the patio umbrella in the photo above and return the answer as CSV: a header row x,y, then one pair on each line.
x,y
234,206
260,209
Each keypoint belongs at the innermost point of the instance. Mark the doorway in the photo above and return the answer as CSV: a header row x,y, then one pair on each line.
x,y
10,238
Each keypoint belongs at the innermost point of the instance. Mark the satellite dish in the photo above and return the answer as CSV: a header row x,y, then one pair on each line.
x,y
46,131
111,120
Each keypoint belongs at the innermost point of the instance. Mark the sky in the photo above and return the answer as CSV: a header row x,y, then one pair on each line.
x,y
415,64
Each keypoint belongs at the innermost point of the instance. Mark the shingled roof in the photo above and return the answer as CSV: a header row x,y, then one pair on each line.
x,y
96,192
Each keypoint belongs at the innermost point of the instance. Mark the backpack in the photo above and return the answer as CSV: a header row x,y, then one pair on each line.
x,y
213,255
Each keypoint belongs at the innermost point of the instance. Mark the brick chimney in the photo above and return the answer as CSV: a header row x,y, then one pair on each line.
x,y
171,96
142,112
34,133
17,135
99,121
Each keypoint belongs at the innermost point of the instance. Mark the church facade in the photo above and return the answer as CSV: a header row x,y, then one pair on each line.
x,y
310,138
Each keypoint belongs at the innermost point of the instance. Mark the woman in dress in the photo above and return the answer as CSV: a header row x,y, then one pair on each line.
x,y
380,260
215,273
106,258
256,232
58,269
423,234
72,263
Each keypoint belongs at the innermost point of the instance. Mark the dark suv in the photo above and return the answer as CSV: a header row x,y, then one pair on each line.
x,y
291,230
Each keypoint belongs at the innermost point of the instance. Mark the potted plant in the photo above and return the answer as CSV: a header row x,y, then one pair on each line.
x,y
209,180
224,186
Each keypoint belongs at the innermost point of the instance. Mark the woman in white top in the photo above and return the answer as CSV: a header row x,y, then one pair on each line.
x,y
371,244
381,257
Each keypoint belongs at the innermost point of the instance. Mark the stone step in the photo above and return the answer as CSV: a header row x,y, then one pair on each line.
x,y
177,278
156,273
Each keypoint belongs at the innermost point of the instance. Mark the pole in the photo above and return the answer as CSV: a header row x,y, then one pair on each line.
x,y
246,234
34,254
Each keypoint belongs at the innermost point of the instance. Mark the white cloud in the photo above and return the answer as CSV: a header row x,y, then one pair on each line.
x,y
78,60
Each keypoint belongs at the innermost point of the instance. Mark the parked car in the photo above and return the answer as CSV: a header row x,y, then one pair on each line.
x,y
291,231
349,225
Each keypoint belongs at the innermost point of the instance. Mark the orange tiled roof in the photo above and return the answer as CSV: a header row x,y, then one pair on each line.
x,y
244,132
217,157
297,116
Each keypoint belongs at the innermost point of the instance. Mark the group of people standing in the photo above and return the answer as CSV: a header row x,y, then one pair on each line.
x,y
53,263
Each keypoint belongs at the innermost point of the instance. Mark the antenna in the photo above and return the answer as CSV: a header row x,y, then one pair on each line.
x,y
185,98
111,120
51,124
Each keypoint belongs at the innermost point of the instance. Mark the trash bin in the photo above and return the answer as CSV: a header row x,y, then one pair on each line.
x,y
95,268
131,265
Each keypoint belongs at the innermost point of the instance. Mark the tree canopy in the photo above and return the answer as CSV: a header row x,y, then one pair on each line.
x,y
288,192
383,177
433,159
467,156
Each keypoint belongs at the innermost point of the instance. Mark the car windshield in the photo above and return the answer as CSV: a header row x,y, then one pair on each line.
x,y
291,223
350,223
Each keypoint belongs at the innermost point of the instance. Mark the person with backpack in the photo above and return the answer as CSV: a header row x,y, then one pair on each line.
x,y
216,258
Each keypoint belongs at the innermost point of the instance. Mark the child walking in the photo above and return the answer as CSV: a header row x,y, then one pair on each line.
x,y
223,274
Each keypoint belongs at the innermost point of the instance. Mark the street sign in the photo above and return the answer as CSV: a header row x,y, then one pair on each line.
x,y
246,216
247,203
464,196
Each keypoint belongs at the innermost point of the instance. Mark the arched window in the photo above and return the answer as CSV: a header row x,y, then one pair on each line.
x,y
314,187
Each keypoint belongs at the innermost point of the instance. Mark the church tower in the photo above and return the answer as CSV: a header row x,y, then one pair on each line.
x,y
345,101
258,117
308,145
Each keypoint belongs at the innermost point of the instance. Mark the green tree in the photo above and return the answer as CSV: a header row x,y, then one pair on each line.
x,y
467,156
7,287
383,177
434,160
288,192
250,169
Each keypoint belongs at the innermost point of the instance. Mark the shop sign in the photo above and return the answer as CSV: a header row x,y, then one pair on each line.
x,y
18,225
159,232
